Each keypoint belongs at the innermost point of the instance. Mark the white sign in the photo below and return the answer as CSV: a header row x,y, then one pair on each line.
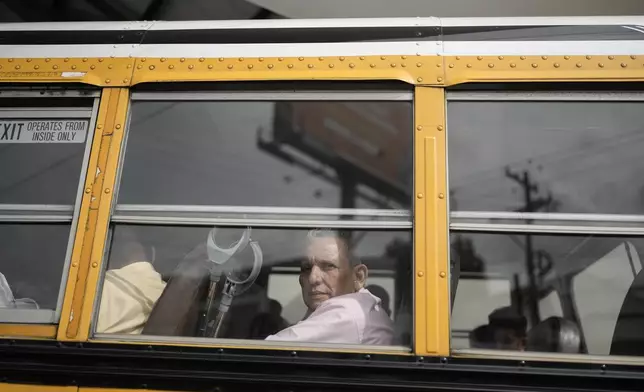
x,y
43,131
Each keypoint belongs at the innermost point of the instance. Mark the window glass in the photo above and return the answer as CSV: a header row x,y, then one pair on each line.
x,y
263,153
43,146
600,310
284,285
540,156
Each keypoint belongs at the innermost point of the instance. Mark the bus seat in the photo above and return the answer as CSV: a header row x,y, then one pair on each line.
x,y
178,310
628,335
555,334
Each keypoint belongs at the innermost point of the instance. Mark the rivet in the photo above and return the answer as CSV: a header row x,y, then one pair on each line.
x,y
191,66
129,66
419,128
170,66
85,60
420,79
393,65
48,60
230,66
490,65
403,65
74,264
92,67
17,67
201,59
372,65
270,66
241,59
589,57
544,57
522,57
139,66
107,190
633,57
441,196
331,65
94,264
310,65
601,65
290,65
99,126
118,126
479,58
55,67
107,81
419,65
440,127
469,65
341,58
624,65
556,65
501,57
250,66
221,59
163,59
151,67
578,65
301,58
611,57
183,60
442,274
73,67
439,79
420,195
210,66
280,59
438,65
352,65
29,60
566,57
421,274
535,65
36,66
383,58
88,190
403,57
513,65
11,60
125,80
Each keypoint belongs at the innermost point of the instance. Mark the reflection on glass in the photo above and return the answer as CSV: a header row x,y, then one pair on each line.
x,y
549,293
315,286
31,264
534,156
280,154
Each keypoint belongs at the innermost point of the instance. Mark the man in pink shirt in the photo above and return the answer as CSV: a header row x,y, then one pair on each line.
x,y
340,309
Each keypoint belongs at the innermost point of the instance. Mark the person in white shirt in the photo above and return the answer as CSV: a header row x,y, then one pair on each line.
x,y
340,309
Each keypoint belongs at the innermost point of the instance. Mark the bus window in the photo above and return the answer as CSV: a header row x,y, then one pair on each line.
x,y
44,146
549,199
274,221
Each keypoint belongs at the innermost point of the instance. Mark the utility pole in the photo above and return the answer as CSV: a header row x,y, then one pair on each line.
x,y
532,203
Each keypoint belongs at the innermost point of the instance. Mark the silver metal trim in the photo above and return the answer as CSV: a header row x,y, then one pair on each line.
x,y
37,207
546,229
47,93
18,218
77,206
547,216
18,112
276,95
341,224
251,343
542,356
598,96
28,316
128,208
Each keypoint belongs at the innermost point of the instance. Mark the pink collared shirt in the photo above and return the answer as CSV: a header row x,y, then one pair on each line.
x,y
356,318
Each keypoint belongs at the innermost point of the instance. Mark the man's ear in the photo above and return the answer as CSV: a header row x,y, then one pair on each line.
x,y
360,273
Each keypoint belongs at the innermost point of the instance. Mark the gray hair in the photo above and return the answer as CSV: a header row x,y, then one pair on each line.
x,y
345,242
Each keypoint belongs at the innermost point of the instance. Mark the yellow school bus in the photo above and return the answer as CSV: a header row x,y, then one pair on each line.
x,y
160,178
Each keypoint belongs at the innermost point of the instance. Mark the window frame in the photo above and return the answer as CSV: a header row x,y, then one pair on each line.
x,y
50,213
400,220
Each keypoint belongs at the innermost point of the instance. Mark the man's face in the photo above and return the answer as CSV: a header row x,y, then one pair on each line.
x,y
325,273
